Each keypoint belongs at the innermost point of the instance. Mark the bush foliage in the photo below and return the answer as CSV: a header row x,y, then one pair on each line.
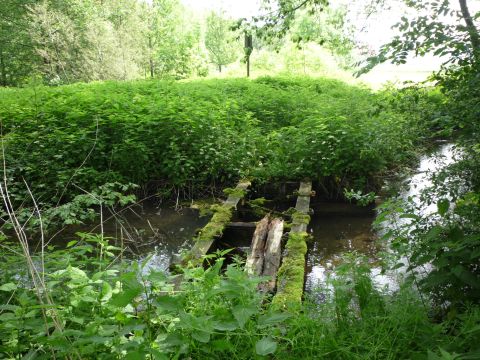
x,y
200,132
100,308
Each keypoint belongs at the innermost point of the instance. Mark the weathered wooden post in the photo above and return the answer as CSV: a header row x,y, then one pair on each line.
x,y
248,51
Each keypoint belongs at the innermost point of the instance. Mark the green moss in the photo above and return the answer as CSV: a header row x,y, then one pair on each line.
x,y
204,206
258,208
258,202
300,218
221,216
235,192
291,274
289,212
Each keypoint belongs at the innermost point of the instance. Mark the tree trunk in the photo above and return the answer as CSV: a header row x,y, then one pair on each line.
x,y
472,30
150,47
219,68
3,70
151,69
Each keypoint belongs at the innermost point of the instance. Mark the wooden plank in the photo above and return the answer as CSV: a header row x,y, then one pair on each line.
x,y
254,263
214,229
273,255
242,225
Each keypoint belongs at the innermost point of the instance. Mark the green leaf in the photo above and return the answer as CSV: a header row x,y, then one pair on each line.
x,y
158,355
124,298
443,206
7,316
265,346
273,318
106,292
156,277
201,336
467,277
398,266
8,287
168,303
409,216
135,355
243,313
222,345
226,325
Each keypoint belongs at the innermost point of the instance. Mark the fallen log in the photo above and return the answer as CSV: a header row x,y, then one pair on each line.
x,y
254,263
273,255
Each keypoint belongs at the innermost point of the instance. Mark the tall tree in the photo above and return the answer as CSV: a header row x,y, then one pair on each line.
x,y
172,39
279,15
327,28
220,40
17,54
471,28
433,31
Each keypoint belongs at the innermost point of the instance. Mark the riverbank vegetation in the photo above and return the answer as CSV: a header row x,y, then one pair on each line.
x,y
185,137
95,307
82,132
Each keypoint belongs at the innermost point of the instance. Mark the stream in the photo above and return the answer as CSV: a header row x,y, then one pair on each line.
x,y
160,233
154,232
336,232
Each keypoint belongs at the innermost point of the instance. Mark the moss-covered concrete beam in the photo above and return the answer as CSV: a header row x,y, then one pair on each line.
x,y
221,217
291,274
300,218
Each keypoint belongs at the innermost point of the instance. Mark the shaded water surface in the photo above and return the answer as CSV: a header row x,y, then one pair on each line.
x,y
158,232
337,229
341,228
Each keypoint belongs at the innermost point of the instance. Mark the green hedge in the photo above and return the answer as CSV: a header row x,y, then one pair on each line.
x,y
198,132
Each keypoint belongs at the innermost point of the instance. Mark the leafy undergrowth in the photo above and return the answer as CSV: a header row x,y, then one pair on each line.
x,y
100,309
75,138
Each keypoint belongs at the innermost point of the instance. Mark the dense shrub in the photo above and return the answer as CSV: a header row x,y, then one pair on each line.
x,y
99,308
198,132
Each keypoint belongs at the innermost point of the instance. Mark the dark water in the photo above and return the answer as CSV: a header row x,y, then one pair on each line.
x,y
341,228
157,234
338,229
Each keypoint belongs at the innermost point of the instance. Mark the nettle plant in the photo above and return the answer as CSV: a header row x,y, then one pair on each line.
x,y
100,309
442,249
81,209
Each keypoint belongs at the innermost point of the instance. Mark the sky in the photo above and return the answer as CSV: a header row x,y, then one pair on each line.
x,y
234,8
377,28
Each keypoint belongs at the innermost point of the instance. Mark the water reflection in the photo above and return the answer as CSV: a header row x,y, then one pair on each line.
x,y
339,232
152,233
336,234
429,164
